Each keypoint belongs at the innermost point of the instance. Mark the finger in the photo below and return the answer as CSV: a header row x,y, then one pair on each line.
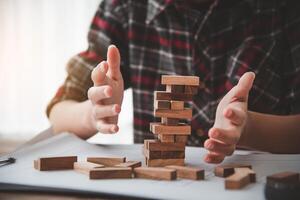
x,y
235,115
214,158
225,136
99,73
106,128
244,85
95,94
113,60
102,111
218,147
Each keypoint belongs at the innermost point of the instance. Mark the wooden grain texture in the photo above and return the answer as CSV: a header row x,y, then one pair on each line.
x,y
177,105
166,138
164,162
155,145
152,155
107,161
131,164
177,114
180,129
238,180
162,104
170,121
180,80
162,95
85,167
284,177
181,138
228,169
111,173
156,173
186,172
250,172
55,163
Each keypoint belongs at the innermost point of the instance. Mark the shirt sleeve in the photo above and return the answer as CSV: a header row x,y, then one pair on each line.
x,y
292,58
109,26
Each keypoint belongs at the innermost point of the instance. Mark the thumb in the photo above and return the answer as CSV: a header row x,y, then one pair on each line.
x,y
244,85
99,73
114,60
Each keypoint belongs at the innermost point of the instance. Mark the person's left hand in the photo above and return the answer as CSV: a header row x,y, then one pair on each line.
x,y
231,118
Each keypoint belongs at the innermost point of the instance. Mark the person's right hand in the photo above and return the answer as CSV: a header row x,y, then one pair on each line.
x,y
107,93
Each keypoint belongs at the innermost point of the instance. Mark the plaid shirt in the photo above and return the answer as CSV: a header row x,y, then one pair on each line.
x,y
218,42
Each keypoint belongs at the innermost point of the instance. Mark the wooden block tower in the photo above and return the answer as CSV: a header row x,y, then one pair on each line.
x,y
169,147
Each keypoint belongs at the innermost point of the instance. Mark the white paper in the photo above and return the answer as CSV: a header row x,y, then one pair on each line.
x,y
22,172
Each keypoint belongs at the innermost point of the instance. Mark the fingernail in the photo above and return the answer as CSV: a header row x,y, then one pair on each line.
x,y
214,134
112,45
229,113
117,108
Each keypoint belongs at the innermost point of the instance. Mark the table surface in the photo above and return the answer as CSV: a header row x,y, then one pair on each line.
x,y
262,164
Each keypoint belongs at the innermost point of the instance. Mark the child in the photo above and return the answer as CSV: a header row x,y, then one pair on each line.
x,y
219,41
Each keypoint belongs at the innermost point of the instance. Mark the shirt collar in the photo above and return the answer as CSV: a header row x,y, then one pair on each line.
x,y
155,7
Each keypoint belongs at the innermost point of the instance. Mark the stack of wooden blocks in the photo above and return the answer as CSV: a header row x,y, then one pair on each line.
x,y
172,134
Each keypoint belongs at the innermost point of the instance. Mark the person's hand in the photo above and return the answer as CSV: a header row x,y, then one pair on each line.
x,y
107,93
231,117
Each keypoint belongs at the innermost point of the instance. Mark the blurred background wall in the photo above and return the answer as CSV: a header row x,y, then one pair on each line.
x,y
37,38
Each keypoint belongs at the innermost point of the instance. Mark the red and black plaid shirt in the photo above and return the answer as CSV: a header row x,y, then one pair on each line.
x,y
218,41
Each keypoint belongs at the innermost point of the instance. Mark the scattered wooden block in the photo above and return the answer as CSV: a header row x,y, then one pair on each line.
x,y
131,164
107,161
154,145
239,179
179,80
186,172
55,163
177,114
191,89
284,177
166,138
175,88
162,95
169,121
180,129
110,173
164,162
181,138
250,172
85,167
157,173
228,169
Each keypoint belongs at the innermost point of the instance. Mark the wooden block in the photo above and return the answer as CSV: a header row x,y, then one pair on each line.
x,y
181,138
85,167
177,105
111,173
228,169
154,145
162,95
284,177
107,161
152,154
131,164
180,129
175,88
191,89
179,80
172,154
177,114
186,172
169,121
157,173
250,172
55,163
160,104
164,162
239,179
166,138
